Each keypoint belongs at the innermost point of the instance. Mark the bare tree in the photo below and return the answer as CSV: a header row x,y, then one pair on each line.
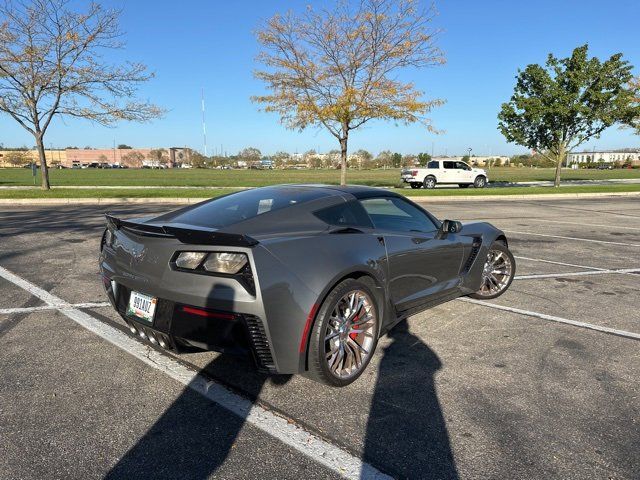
x,y
51,65
159,157
17,158
337,68
133,159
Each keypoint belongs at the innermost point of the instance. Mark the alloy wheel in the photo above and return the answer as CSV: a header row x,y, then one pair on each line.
x,y
496,274
350,334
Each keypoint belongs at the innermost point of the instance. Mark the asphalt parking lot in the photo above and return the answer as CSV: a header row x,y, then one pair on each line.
x,y
543,382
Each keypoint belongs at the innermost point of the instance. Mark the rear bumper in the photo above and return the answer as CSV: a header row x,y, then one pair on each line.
x,y
180,327
410,179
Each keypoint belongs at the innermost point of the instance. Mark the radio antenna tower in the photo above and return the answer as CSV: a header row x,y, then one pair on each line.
x,y
204,126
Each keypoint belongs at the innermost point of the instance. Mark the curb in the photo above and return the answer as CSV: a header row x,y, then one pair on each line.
x,y
417,199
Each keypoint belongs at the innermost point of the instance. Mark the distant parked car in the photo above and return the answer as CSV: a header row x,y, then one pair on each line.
x,y
445,172
605,166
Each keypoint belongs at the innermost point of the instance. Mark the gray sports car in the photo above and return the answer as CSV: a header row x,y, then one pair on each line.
x,y
305,278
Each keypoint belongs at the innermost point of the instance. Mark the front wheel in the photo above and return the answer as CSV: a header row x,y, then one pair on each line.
x,y
344,335
497,273
480,182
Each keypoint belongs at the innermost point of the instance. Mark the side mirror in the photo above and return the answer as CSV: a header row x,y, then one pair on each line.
x,y
450,226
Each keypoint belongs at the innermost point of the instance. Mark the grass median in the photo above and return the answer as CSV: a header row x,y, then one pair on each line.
x,y
203,193
255,178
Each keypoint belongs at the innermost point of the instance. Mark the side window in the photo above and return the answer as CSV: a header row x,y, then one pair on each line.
x,y
462,166
396,214
346,214
449,165
433,164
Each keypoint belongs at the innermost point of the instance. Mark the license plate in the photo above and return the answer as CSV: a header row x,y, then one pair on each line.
x,y
142,306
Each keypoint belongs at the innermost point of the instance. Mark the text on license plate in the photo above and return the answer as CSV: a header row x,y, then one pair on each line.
x,y
142,306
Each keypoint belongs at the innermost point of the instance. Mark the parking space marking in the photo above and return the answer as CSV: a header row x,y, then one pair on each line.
x,y
553,318
557,263
321,451
578,239
586,224
8,311
576,274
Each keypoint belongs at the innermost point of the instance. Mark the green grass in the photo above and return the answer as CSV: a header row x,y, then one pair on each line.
x,y
256,178
208,193
451,192
114,193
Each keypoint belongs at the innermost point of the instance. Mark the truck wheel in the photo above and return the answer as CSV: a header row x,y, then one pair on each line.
x,y
429,182
416,185
480,182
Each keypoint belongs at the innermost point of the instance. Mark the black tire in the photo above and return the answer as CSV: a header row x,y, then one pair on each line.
x,y
497,246
480,181
463,185
318,365
416,185
429,182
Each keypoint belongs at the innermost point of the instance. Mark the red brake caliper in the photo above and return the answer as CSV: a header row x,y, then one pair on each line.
x,y
353,335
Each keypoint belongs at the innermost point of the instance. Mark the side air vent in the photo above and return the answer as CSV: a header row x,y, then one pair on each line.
x,y
475,248
260,343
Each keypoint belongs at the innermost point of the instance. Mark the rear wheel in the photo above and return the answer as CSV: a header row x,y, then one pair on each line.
x,y
498,272
344,335
416,185
429,182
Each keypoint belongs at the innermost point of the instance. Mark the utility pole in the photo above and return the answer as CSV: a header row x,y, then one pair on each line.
x,y
204,126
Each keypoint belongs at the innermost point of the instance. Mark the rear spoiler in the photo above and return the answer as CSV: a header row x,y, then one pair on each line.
x,y
192,236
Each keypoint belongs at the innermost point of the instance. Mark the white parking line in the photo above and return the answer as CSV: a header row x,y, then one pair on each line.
x,y
610,227
557,263
323,452
575,274
578,239
553,318
8,311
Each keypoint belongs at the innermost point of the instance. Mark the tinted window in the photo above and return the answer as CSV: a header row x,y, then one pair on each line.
x,y
398,215
451,165
345,214
433,164
462,166
240,206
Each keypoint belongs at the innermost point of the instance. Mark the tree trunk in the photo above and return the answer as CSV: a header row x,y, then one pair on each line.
x,y
44,170
559,161
343,160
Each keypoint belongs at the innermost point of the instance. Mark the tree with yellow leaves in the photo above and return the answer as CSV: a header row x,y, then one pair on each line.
x,y
338,68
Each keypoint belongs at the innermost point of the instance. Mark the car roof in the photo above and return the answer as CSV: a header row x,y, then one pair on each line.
x,y
358,191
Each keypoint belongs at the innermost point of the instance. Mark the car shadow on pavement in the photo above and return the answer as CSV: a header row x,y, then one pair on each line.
x,y
406,430
193,437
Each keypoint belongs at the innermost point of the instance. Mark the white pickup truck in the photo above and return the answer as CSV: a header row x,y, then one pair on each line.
x,y
445,172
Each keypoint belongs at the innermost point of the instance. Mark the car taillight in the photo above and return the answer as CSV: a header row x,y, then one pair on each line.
x,y
414,173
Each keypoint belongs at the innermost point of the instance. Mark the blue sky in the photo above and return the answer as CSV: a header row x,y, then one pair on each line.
x,y
210,44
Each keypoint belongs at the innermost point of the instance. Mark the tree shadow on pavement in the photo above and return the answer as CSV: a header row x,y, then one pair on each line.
x,y
406,431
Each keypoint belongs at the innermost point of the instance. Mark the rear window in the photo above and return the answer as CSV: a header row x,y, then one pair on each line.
x,y
237,207
434,164
450,165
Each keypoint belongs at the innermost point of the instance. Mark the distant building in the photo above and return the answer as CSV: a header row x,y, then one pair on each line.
x,y
54,157
605,156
